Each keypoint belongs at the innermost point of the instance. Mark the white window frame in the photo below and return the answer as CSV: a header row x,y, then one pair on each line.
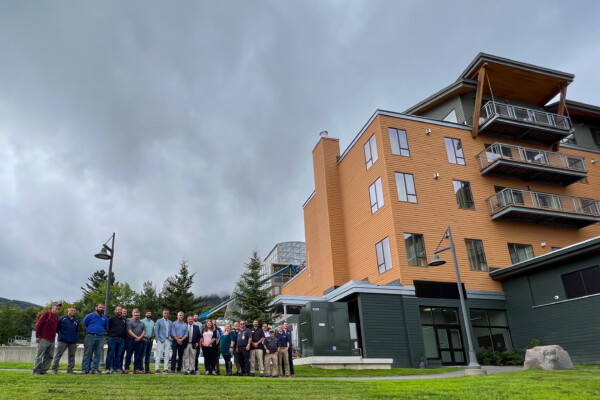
x,y
384,256
376,195
399,142
371,155
401,180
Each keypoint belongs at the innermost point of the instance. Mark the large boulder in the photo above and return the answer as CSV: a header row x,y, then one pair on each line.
x,y
548,358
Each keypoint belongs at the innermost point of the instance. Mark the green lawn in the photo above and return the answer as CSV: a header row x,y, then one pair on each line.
x,y
301,370
543,385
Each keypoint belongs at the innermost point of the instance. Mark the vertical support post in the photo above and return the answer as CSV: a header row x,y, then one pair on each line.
x,y
561,111
284,312
112,256
478,98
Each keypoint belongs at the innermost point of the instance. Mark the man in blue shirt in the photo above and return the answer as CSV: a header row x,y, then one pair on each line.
x,y
95,326
163,341
179,331
284,344
67,339
147,340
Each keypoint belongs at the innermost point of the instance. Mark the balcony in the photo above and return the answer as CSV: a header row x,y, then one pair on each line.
x,y
532,165
543,208
525,124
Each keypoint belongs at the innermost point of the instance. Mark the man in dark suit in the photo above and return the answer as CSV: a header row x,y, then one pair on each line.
x,y
190,343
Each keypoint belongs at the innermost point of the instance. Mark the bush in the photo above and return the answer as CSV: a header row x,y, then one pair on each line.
x,y
510,357
487,356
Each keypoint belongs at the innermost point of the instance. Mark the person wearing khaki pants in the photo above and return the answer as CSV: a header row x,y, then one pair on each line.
x,y
283,359
256,349
271,345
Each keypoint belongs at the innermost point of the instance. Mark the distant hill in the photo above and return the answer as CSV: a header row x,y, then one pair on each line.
x,y
18,303
214,299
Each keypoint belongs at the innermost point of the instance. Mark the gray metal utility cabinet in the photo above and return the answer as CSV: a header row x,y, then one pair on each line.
x,y
325,330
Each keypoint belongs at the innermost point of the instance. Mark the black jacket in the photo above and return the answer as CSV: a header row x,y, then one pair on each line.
x,y
195,337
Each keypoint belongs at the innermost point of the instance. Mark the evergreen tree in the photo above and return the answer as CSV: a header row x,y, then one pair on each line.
x,y
177,295
96,281
254,297
148,300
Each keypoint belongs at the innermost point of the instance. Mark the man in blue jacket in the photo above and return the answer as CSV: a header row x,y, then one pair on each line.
x,y
67,339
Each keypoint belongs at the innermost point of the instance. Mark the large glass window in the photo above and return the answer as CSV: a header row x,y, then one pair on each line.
x,y
476,255
384,257
405,183
376,195
455,151
399,142
582,283
490,329
442,335
520,252
371,151
451,117
415,249
464,196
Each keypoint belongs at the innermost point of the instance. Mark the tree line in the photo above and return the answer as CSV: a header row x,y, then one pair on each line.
x,y
254,300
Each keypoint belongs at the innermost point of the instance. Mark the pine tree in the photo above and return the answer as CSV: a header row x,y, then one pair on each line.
x,y
148,299
96,280
177,295
254,297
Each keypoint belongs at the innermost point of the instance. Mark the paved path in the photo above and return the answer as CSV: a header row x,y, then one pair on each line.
x,y
444,375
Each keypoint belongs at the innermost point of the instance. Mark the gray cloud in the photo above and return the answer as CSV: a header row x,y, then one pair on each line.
x,y
187,127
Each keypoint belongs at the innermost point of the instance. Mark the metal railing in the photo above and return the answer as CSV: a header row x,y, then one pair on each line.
x,y
522,114
530,156
542,201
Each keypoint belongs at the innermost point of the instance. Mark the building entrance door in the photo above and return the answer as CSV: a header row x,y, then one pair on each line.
x,y
450,345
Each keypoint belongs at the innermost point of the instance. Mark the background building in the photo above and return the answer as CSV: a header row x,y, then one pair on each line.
x,y
487,156
282,255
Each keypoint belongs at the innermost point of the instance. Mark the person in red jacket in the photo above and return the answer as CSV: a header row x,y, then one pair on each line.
x,y
45,332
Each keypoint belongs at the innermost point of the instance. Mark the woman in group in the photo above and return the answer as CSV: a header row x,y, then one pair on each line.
x,y
209,348
227,344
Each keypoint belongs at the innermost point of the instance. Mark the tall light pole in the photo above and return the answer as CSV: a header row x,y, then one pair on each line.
x,y
107,253
473,364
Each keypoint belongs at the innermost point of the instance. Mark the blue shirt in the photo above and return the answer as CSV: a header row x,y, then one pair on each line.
x,y
95,323
179,329
149,324
67,329
163,330
283,339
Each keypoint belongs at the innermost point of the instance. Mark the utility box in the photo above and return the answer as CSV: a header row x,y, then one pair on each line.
x,y
325,330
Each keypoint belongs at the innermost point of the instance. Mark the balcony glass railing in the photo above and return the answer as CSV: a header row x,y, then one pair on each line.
x,y
528,115
542,201
530,156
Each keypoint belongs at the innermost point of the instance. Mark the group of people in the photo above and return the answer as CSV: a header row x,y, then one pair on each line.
x,y
178,343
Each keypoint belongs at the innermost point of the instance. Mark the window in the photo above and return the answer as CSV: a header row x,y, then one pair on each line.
x,y
405,183
520,252
582,283
490,329
455,151
596,136
384,258
415,249
371,151
399,142
376,195
464,197
451,117
476,255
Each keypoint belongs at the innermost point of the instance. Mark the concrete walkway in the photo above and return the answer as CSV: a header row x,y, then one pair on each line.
x,y
444,375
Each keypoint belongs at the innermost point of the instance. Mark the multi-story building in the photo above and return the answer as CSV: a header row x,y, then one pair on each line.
x,y
513,176
282,255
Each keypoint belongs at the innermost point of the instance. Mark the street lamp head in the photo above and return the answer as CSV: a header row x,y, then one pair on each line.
x,y
436,261
103,255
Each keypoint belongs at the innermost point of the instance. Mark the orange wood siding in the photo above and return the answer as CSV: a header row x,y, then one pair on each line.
x,y
341,232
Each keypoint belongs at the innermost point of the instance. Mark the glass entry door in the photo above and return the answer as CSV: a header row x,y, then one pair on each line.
x,y
450,345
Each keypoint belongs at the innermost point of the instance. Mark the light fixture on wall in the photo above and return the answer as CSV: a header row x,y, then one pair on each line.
x,y
593,161
436,175
543,244
428,131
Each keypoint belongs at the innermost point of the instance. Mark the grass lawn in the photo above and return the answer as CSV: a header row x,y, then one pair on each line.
x,y
546,385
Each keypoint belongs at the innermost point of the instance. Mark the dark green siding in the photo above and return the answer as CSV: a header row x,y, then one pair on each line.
x,y
534,313
390,326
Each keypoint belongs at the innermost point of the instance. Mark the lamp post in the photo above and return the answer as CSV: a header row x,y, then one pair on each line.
x,y
473,364
107,253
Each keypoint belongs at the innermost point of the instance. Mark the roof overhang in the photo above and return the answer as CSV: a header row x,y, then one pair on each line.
x,y
577,109
516,80
456,89
572,252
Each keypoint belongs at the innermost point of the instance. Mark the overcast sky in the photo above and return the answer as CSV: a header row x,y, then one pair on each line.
x,y
187,127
